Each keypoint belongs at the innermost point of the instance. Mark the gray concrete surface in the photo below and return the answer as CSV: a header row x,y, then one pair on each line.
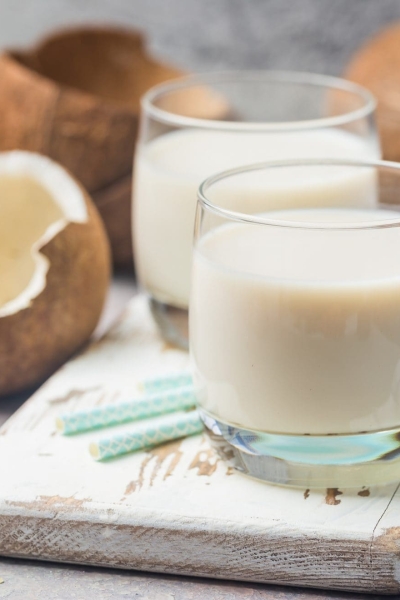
x,y
316,35
25,580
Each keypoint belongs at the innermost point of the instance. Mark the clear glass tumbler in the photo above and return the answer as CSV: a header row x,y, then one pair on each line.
x,y
295,320
197,126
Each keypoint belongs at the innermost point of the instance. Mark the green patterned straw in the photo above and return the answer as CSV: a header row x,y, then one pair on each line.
x,y
148,434
168,382
123,412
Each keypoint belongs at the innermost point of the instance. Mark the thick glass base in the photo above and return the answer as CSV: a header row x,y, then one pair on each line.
x,y
172,323
310,461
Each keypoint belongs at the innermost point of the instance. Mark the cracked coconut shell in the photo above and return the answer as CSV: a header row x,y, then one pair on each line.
x,y
54,268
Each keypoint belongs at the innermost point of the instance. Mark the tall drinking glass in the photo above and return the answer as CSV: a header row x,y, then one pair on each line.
x,y
295,320
196,126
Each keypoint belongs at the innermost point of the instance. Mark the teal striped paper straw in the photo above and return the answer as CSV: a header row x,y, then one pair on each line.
x,y
123,412
148,434
168,382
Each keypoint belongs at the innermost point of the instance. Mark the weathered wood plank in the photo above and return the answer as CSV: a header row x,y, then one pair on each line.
x,y
177,508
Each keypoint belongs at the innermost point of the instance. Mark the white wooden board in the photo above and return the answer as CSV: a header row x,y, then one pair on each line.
x,y
177,508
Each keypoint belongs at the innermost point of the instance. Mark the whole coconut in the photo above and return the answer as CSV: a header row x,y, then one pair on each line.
x,y
54,268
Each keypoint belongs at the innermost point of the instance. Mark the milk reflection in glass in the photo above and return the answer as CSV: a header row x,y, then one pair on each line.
x,y
169,169
297,330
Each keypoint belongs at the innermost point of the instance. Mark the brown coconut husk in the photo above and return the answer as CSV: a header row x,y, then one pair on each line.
x,y
39,337
36,341
376,66
75,98
114,205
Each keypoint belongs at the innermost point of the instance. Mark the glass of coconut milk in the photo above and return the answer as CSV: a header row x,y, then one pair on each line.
x,y
295,320
197,126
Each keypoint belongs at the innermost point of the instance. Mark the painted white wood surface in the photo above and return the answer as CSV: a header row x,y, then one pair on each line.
x,y
177,508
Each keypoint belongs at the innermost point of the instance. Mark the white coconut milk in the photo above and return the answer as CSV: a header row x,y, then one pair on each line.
x,y
168,171
298,331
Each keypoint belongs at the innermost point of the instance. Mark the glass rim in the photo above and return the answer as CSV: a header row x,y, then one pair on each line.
x,y
296,77
252,219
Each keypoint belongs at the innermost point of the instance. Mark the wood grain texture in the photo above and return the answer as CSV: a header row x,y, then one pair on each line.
x,y
178,508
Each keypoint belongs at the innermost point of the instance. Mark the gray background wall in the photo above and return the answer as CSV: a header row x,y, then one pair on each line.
x,y
316,35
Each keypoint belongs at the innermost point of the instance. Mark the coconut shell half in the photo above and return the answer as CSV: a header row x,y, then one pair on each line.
x,y
54,268
75,98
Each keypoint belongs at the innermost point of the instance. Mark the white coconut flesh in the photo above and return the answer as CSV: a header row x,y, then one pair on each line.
x,y
38,199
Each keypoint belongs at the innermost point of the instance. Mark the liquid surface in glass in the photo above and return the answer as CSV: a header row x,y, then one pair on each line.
x,y
298,331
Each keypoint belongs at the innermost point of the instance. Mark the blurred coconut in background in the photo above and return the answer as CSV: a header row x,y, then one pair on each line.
x,y
75,97
376,66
